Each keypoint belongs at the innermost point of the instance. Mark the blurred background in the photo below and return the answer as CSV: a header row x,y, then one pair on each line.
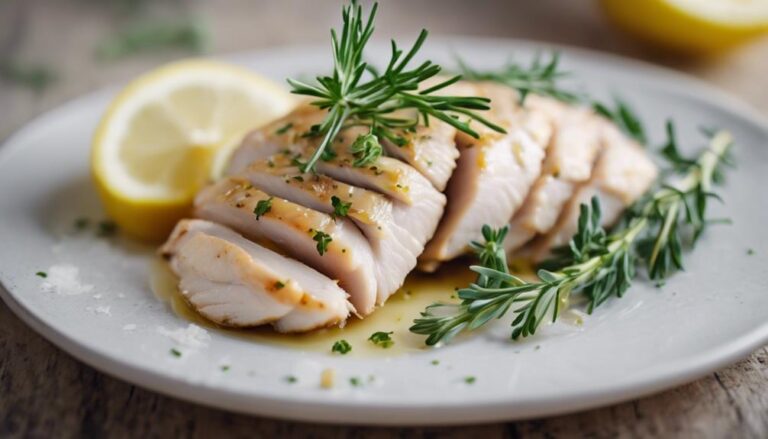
x,y
54,50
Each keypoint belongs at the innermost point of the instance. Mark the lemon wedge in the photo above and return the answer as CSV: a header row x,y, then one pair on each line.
x,y
692,26
169,132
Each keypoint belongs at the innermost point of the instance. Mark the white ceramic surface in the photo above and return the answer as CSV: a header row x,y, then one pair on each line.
x,y
703,319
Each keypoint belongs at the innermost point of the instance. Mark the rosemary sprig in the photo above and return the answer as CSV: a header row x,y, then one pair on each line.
x,y
351,99
540,77
596,264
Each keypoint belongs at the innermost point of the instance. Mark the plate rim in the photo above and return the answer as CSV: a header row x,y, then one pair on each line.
x,y
450,412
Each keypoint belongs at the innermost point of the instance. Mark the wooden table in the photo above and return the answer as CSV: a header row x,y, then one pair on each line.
x,y
46,393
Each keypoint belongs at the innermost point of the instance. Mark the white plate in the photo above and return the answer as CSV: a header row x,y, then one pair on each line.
x,y
704,318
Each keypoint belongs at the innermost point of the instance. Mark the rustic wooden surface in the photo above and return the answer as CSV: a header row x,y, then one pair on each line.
x,y
46,393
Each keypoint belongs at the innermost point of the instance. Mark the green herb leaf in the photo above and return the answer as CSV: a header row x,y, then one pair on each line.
x,y
341,346
355,382
470,380
262,207
290,379
41,274
106,229
322,239
175,352
340,208
284,129
366,149
624,118
382,339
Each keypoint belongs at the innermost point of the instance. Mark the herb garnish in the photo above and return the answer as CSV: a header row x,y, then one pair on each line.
x,y
470,380
290,379
355,381
340,208
175,352
41,274
623,117
539,78
352,100
382,339
225,368
595,264
34,77
146,35
322,239
106,229
366,149
341,346
284,129
262,207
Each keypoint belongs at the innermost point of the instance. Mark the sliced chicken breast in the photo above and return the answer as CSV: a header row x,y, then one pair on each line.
x,y
292,228
623,173
493,174
570,157
395,247
235,282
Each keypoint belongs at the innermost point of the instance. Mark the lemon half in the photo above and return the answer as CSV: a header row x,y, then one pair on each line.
x,y
168,132
692,26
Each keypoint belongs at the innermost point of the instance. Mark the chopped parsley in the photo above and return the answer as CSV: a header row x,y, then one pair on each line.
x,y
106,229
175,352
434,362
41,274
340,208
279,285
225,368
750,251
355,382
470,380
291,379
382,339
322,239
284,129
82,223
262,207
341,346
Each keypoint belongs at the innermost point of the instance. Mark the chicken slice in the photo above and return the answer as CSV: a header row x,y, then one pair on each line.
x,y
570,157
493,175
292,229
235,282
395,248
622,174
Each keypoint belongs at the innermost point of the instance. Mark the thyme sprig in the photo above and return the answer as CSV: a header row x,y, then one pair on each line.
x,y
540,77
596,264
351,98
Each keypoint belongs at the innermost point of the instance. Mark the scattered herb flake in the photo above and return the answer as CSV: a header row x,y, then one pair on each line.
x,y
340,208
341,346
106,229
470,379
322,239
284,129
279,285
82,223
225,368
750,251
434,362
175,352
262,207
41,274
355,382
382,339
290,379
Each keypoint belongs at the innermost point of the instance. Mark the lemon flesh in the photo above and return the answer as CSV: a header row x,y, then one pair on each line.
x,y
169,132
691,26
